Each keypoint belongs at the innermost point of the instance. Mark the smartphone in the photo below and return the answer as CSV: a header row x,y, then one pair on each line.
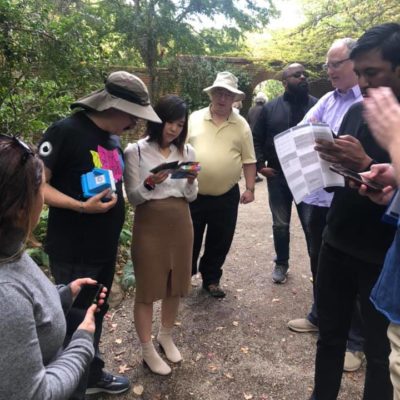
x,y
355,177
89,294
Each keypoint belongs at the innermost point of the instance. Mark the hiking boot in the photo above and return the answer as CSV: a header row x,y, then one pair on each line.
x,y
112,384
279,274
353,360
214,290
302,325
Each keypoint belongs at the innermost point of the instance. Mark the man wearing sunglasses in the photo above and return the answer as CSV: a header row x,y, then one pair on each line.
x,y
277,116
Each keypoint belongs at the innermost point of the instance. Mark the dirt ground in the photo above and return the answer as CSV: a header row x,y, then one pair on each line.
x,y
238,347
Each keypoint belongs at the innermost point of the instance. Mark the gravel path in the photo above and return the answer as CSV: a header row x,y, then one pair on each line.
x,y
238,347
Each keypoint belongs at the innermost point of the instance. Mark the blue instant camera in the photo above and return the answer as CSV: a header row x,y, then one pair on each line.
x,y
97,180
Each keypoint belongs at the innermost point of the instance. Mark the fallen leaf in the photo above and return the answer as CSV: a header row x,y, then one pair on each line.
x,y
219,328
228,375
275,300
235,323
239,290
177,323
247,396
213,368
118,341
198,356
244,350
138,390
123,368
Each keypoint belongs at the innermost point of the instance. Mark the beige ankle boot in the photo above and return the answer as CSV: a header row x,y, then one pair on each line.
x,y
164,338
153,360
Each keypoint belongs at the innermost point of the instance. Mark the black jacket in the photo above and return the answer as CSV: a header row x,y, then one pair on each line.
x,y
354,224
275,117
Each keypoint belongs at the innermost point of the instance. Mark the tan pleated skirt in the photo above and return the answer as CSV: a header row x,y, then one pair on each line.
x,y
162,243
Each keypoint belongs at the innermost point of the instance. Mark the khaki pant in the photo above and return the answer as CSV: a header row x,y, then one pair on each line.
x,y
394,359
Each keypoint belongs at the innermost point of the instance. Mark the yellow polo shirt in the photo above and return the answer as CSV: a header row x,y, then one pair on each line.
x,y
222,150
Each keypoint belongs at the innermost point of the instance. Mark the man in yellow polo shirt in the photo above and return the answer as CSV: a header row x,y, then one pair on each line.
x,y
224,146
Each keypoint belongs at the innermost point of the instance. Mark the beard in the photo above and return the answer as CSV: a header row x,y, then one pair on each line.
x,y
301,89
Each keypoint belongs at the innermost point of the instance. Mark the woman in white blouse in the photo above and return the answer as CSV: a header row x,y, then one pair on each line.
x,y
162,230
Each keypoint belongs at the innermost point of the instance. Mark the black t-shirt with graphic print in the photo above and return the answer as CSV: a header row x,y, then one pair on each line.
x,y
69,148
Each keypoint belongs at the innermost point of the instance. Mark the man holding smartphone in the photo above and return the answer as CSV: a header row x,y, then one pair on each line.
x,y
355,241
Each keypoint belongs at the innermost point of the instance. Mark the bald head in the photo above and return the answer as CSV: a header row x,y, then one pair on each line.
x,y
290,69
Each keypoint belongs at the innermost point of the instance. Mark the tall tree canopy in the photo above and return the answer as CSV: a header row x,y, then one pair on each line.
x,y
325,21
160,29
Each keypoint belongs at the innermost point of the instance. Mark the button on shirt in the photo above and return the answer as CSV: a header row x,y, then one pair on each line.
x,y
222,150
330,109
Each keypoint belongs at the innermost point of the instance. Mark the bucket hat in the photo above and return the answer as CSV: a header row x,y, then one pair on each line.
x,y
123,91
228,81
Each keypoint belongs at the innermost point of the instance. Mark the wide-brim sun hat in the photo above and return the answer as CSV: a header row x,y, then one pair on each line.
x,y
228,81
123,91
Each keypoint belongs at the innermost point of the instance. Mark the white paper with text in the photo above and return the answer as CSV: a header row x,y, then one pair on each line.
x,y
304,170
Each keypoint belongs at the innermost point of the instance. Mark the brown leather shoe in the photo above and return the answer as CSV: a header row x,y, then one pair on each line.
x,y
215,291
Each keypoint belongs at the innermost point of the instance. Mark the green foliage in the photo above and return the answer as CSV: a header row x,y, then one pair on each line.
x,y
272,88
326,21
160,30
128,279
196,73
50,53
39,256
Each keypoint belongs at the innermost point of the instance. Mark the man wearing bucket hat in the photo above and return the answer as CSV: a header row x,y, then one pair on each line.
x,y
82,234
224,145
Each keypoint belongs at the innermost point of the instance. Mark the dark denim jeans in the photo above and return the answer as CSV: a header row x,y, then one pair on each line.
x,y
341,278
280,203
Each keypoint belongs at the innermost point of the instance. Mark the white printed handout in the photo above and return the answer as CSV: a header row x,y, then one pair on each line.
x,y
304,170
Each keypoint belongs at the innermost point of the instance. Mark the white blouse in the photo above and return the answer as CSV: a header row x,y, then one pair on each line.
x,y
137,168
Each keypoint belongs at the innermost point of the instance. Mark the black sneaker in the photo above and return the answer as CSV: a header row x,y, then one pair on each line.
x,y
259,179
112,384
279,274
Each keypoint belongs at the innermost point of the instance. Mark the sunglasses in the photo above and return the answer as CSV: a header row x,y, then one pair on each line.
x,y
299,74
26,150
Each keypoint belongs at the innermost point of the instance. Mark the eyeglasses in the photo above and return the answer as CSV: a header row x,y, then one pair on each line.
x,y
27,151
298,74
223,93
334,64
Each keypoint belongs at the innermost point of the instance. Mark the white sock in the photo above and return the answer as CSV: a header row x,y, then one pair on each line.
x,y
153,359
165,339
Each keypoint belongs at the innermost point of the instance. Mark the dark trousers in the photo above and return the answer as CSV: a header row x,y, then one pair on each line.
x,y
280,202
218,214
341,278
316,224
64,273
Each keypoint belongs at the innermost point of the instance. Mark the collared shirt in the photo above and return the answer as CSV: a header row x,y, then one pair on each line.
x,y
140,158
330,109
222,150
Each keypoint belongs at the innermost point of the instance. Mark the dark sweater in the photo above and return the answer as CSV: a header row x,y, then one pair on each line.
x,y
275,117
354,223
